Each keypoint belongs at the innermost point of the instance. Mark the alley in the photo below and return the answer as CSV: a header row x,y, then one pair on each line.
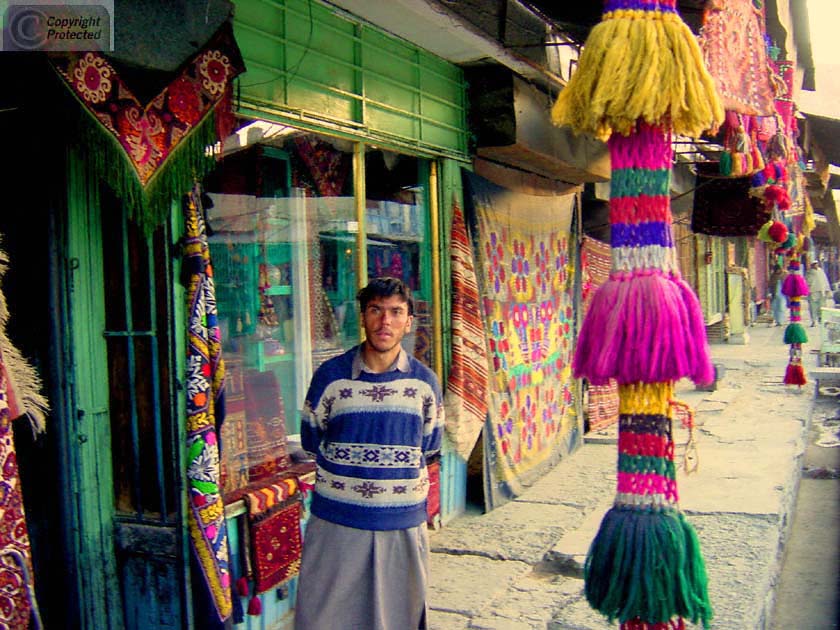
x,y
520,567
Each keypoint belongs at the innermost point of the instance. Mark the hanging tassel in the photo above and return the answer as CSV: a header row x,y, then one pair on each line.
x,y
641,62
795,375
255,606
795,333
242,587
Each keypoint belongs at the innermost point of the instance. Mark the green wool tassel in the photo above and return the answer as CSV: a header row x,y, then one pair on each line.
x,y
795,333
726,163
646,564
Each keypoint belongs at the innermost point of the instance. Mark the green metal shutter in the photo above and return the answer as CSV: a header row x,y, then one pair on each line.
x,y
312,67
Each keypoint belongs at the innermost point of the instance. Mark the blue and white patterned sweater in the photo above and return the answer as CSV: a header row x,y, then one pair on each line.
x,y
371,435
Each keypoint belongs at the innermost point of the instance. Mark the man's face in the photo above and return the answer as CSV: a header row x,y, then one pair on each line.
x,y
386,321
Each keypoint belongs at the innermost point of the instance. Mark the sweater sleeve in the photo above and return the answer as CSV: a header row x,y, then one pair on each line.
x,y
433,425
313,422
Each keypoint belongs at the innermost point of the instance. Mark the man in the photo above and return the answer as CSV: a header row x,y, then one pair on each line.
x,y
818,289
372,416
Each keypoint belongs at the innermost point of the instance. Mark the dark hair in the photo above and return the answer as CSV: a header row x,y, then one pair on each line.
x,y
385,287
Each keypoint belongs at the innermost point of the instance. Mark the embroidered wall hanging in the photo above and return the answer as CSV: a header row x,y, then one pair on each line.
x,y
645,327
274,513
205,411
265,418
150,153
526,273
466,391
733,44
20,394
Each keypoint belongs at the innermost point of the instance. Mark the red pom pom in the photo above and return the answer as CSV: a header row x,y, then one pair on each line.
x,y
795,375
255,606
778,231
242,587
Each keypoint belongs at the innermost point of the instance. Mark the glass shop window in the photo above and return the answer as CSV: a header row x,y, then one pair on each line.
x,y
396,187
282,229
276,196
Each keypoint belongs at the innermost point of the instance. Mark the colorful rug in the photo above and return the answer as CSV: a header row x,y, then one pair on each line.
x,y
205,410
151,152
733,44
526,281
265,423
466,391
274,513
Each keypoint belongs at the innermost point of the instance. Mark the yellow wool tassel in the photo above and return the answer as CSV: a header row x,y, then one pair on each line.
x,y
639,65
645,398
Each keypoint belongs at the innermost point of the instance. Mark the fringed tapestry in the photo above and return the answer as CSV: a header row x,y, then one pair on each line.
x,y
150,153
733,43
723,206
641,79
205,413
526,270
466,391
274,538
20,395
601,400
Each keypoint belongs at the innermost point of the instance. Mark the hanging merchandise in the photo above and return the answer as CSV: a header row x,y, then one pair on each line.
x,y
732,41
150,153
205,414
466,391
723,206
645,327
741,155
795,288
20,395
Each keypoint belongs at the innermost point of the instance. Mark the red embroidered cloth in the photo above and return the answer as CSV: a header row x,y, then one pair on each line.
x,y
274,513
150,132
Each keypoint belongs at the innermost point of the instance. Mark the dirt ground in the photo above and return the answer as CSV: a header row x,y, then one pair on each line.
x,y
807,594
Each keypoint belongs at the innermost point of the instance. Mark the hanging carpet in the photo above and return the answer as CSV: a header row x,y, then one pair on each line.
x,y
20,395
466,392
274,513
205,413
526,273
150,153
732,41
602,400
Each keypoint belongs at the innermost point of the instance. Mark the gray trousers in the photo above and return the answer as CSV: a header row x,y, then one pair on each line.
x,y
356,579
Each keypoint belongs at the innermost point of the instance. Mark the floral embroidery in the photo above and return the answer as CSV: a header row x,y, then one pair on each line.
x,y
92,78
213,68
184,102
368,489
410,392
378,393
345,392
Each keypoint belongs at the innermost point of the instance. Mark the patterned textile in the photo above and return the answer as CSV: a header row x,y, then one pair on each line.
x,y
433,502
466,392
274,514
265,418
422,333
150,132
602,400
234,439
328,167
526,271
733,45
146,137
15,555
723,206
783,71
205,409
